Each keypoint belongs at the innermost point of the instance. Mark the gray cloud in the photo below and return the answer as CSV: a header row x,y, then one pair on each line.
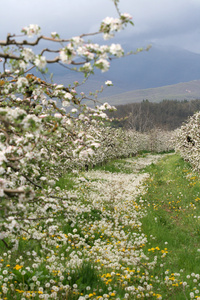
x,y
173,23
163,22
64,16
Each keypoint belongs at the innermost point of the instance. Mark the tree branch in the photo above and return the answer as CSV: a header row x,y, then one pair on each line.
x,y
14,191
41,37
5,243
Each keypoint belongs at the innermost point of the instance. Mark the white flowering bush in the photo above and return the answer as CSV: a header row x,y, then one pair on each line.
x,y
112,143
187,140
160,140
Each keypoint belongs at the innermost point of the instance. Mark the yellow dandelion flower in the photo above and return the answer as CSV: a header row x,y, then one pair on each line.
x,y
18,267
90,295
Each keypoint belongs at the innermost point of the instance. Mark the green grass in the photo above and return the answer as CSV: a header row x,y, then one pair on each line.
x,y
173,202
67,181
114,166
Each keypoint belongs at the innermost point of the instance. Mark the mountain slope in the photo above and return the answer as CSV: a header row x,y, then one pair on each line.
x,y
181,91
135,76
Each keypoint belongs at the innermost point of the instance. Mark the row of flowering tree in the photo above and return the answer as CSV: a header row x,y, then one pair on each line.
x,y
46,131
187,140
39,137
44,127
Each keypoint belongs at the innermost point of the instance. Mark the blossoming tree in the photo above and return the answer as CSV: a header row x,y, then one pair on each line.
x,y
187,141
39,138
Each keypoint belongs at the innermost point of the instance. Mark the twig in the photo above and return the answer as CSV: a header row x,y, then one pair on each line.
x,y
35,184
5,243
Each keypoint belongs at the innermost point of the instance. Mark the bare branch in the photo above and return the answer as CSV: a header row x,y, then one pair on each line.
x,y
6,135
10,56
35,184
49,50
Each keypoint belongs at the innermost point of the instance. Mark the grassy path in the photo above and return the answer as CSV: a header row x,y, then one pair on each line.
x,y
129,230
171,224
173,219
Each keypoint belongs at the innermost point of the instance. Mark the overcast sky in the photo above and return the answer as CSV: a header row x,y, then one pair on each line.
x,y
171,23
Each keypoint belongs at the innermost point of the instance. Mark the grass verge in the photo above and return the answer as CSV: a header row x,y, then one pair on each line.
x,y
172,223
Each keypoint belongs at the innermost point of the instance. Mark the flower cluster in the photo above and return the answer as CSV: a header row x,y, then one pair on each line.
x,y
40,62
32,29
111,25
94,55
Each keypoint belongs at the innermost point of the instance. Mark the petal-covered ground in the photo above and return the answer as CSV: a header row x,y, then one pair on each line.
x,y
92,246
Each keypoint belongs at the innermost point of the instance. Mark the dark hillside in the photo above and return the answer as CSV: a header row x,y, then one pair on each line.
x,y
144,116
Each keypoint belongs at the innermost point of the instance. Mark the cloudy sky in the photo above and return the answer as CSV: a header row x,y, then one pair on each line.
x,y
170,23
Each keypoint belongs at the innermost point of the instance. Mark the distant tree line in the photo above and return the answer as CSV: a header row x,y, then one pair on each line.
x,y
145,116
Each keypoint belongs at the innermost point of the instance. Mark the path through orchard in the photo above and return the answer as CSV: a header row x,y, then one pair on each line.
x,y
105,244
141,260
115,237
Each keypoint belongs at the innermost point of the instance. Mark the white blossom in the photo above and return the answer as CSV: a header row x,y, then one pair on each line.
x,y
102,64
28,54
77,40
116,50
68,96
40,62
65,103
31,30
87,67
67,54
22,81
108,82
